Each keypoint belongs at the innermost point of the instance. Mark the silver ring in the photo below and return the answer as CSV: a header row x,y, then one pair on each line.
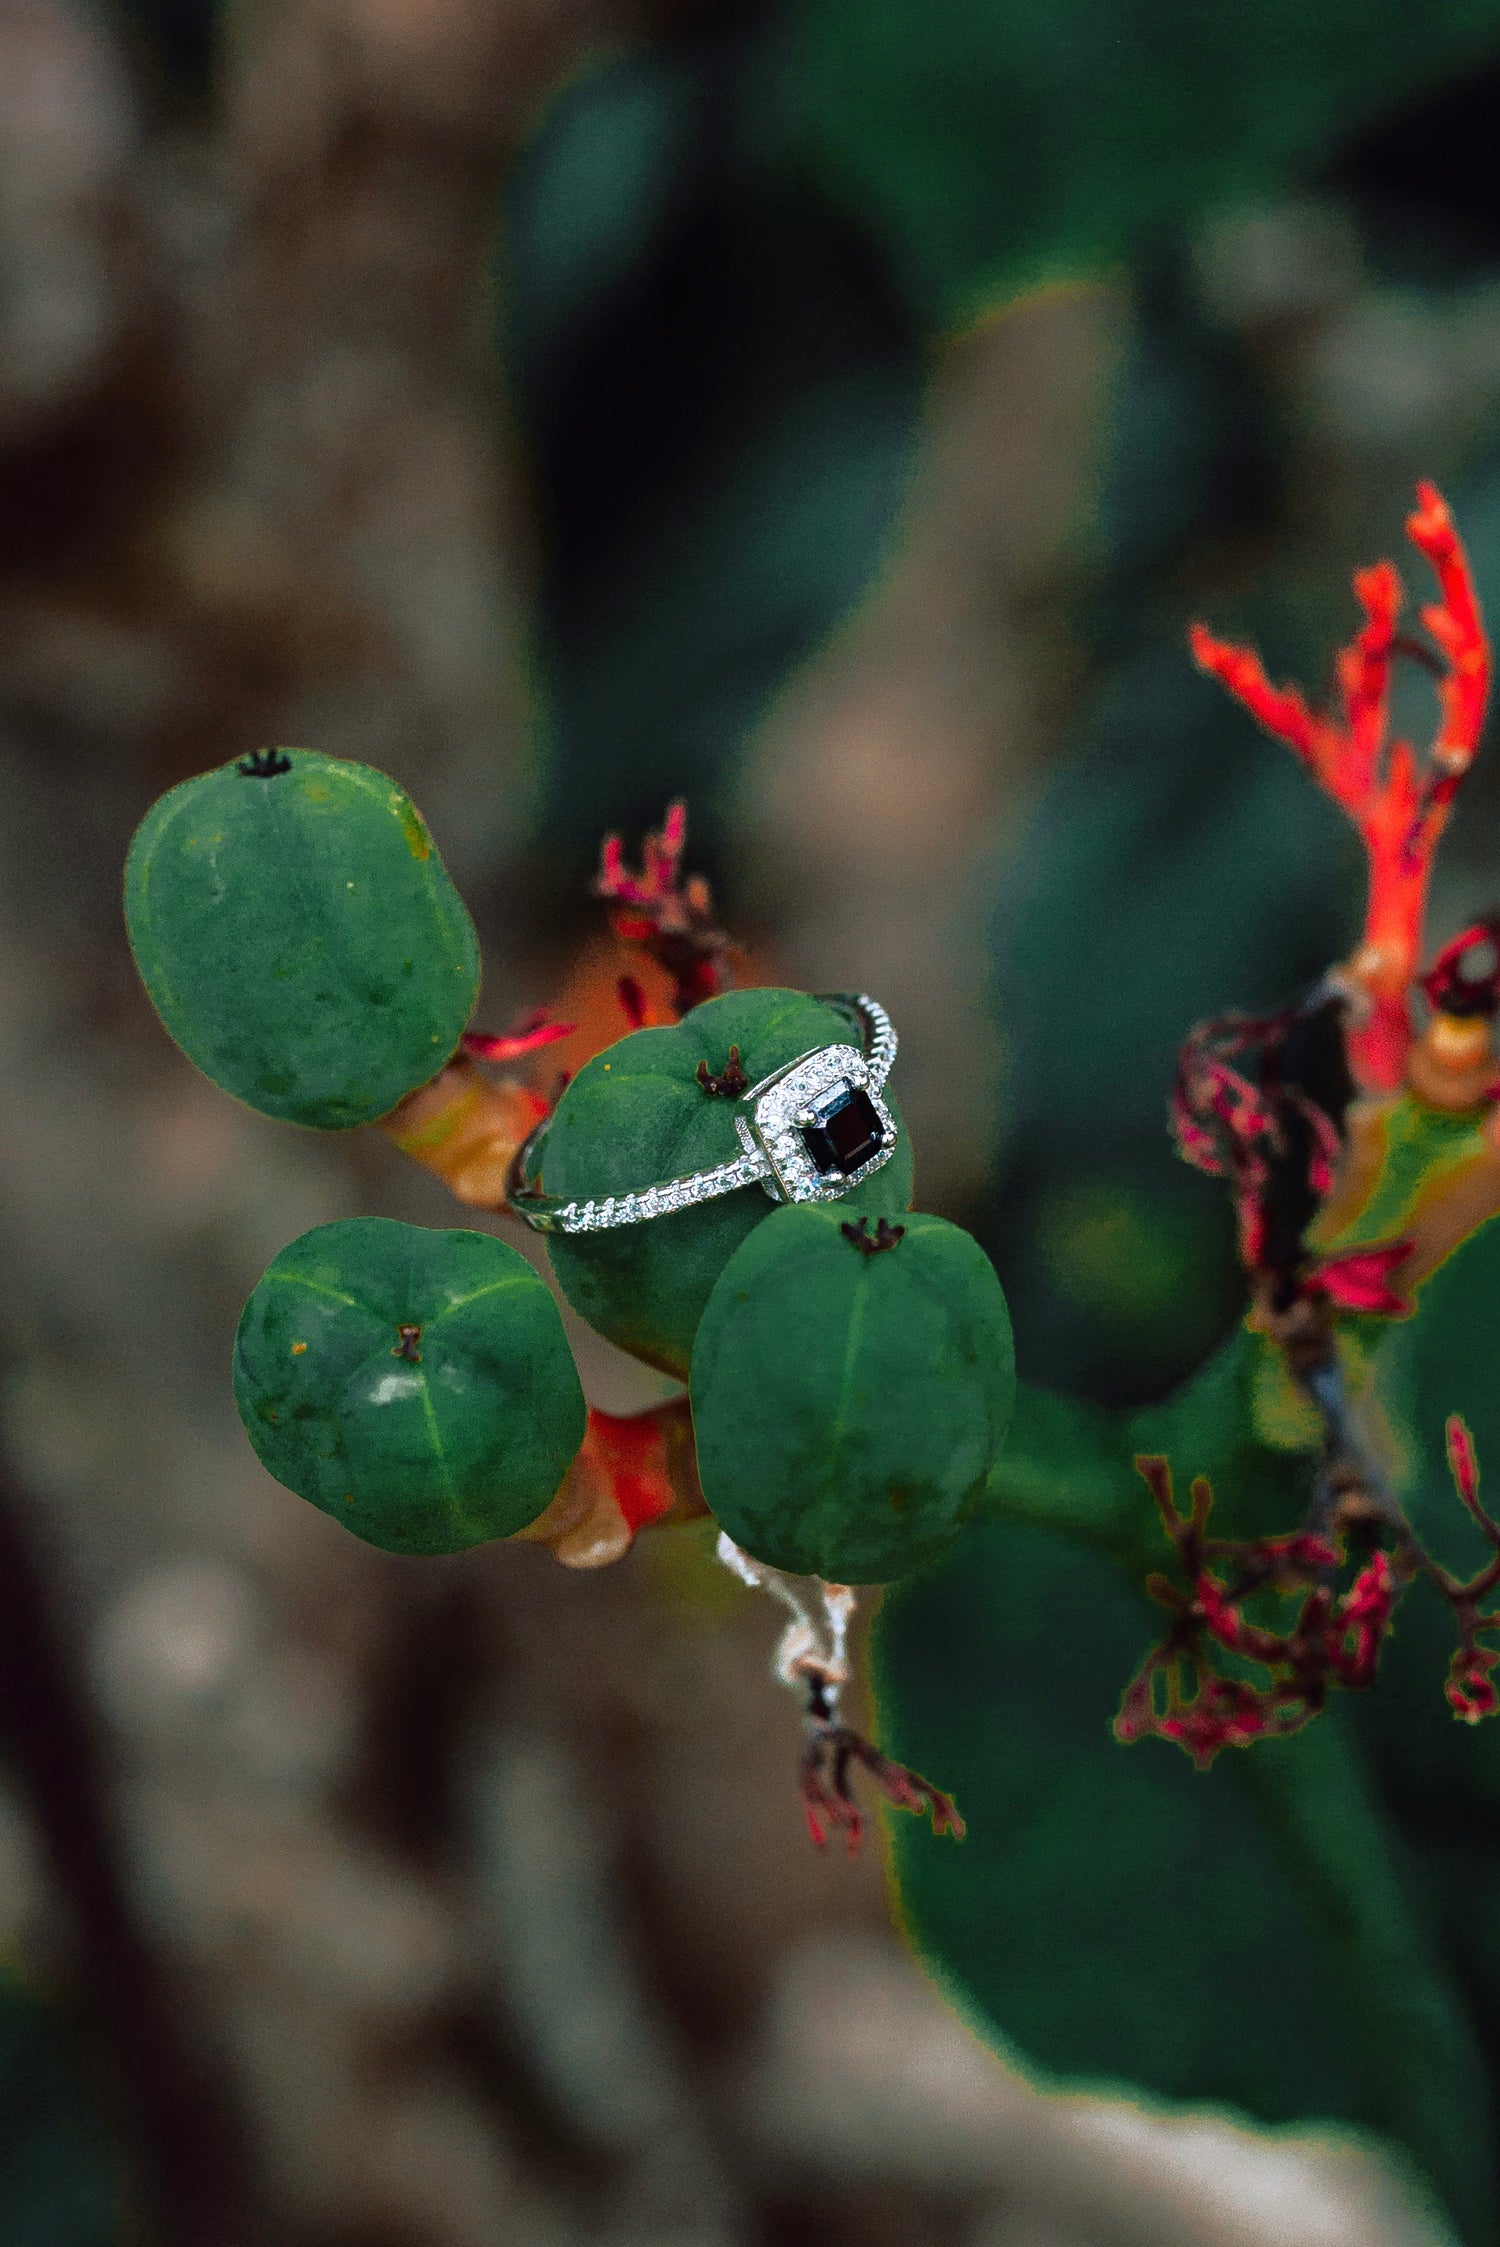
x,y
808,1133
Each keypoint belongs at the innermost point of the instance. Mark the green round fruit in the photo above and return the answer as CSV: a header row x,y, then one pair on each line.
x,y
416,1385
637,1116
299,936
850,1400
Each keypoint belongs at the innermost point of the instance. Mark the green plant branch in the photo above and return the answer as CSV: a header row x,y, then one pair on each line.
x,y
1066,1466
1069,1465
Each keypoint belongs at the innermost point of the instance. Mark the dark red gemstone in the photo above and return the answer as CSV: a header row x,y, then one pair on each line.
x,y
845,1136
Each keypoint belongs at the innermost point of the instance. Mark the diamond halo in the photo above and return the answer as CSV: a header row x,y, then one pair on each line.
x,y
783,1109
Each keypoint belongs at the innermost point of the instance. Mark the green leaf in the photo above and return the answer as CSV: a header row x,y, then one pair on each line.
x,y
1114,1918
416,1385
1440,1779
1423,2079
1281,1934
999,144
849,1404
637,1116
300,938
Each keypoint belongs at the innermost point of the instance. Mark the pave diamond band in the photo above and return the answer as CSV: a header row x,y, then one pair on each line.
x,y
808,1132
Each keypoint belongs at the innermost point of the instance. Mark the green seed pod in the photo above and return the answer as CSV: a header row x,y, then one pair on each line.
x,y
299,936
416,1385
637,1116
850,1397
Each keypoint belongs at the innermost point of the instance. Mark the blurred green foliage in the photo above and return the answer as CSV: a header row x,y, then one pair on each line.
x,y
717,384
998,143
722,251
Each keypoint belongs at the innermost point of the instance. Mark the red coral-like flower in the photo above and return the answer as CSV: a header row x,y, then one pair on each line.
x,y
1457,983
1400,807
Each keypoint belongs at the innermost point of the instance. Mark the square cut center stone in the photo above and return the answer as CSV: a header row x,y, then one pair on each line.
x,y
845,1136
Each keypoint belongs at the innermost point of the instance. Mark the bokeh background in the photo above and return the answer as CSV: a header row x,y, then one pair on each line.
x,y
830,410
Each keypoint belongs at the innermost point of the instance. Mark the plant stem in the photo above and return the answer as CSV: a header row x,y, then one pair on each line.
x,y
1070,1466
1066,1465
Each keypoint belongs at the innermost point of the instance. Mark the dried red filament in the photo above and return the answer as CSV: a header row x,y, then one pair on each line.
x,y
831,1753
1185,1692
527,1036
668,913
1238,1113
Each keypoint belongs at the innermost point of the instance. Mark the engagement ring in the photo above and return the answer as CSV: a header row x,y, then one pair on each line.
x,y
809,1132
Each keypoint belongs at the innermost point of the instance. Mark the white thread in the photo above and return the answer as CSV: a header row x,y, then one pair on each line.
x,y
806,1649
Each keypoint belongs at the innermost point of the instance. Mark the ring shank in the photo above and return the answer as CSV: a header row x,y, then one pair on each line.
x,y
553,1213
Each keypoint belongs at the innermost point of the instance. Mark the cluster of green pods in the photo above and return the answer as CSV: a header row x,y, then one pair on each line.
x,y
849,1364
